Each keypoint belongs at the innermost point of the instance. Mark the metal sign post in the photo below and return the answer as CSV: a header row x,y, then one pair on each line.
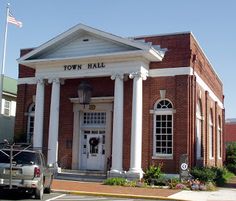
x,y
184,168
11,158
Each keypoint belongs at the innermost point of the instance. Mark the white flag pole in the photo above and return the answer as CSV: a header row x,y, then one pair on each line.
x,y
3,58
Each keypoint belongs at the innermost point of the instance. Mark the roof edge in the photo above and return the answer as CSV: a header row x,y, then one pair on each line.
x,y
163,34
211,65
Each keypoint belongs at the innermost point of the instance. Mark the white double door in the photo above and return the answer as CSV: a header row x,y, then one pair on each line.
x,y
93,149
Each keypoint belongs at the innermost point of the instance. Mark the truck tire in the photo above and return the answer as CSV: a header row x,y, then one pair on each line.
x,y
39,193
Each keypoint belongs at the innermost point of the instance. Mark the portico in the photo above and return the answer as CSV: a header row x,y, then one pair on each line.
x,y
115,108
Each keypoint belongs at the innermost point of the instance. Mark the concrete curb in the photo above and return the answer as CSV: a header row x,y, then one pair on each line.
x,y
115,195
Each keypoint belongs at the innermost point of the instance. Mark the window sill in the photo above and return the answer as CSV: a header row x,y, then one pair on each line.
x,y
168,157
6,116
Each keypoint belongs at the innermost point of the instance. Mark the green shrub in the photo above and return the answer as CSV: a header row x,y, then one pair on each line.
x,y
231,167
115,181
173,182
204,174
130,183
217,175
231,157
231,151
153,175
210,186
221,175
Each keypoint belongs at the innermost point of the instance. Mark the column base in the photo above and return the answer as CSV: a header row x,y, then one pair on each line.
x,y
130,175
116,173
134,174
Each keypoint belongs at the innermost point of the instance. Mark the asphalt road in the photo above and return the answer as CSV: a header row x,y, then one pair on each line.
x,y
61,197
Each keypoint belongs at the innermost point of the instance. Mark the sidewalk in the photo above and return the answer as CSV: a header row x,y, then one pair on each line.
x,y
222,194
91,188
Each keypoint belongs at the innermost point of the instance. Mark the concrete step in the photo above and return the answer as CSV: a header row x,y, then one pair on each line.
x,y
75,175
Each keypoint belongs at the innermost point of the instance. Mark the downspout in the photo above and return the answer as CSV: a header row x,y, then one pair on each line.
x,y
206,154
192,112
223,146
216,135
190,122
194,103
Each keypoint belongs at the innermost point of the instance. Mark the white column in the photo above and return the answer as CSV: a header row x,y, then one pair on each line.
x,y
39,112
54,122
136,129
117,142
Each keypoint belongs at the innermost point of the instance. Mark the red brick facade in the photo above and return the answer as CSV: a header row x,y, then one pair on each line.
x,y
184,91
230,130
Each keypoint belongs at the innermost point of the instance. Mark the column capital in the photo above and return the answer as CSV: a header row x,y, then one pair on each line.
x,y
138,74
117,75
55,80
40,80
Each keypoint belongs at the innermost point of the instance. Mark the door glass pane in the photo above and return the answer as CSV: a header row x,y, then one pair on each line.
x,y
93,149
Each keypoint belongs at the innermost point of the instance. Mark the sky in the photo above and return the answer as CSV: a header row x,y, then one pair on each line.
x,y
213,23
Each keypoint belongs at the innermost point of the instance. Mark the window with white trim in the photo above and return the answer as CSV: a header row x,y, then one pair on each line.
x,y
219,139
163,129
94,118
199,144
7,108
30,124
211,135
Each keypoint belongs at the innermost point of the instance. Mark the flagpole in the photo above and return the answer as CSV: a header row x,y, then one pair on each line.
x,y
3,57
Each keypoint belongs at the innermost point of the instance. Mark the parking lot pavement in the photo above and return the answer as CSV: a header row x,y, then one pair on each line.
x,y
6,196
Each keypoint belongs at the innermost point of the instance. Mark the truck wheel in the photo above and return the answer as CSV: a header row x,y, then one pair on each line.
x,y
39,193
47,190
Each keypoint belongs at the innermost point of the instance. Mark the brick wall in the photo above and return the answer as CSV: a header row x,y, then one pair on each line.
x,y
230,132
178,52
24,99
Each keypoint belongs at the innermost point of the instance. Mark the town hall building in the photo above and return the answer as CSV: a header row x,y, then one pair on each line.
x,y
91,100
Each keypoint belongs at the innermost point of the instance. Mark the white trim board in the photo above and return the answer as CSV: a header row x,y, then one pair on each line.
x,y
159,73
163,72
26,80
206,88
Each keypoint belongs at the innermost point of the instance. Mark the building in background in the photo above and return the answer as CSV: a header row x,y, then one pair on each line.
x,y
230,131
107,103
7,116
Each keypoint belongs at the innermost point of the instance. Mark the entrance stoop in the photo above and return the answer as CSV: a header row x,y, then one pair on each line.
x,y
81,175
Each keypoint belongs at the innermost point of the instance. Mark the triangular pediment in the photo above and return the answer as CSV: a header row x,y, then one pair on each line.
x,y
84,41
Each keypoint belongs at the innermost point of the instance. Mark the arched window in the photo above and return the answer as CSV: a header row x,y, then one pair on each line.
x,y
163,129
30,124
199,144
163,104
211,135
219,138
